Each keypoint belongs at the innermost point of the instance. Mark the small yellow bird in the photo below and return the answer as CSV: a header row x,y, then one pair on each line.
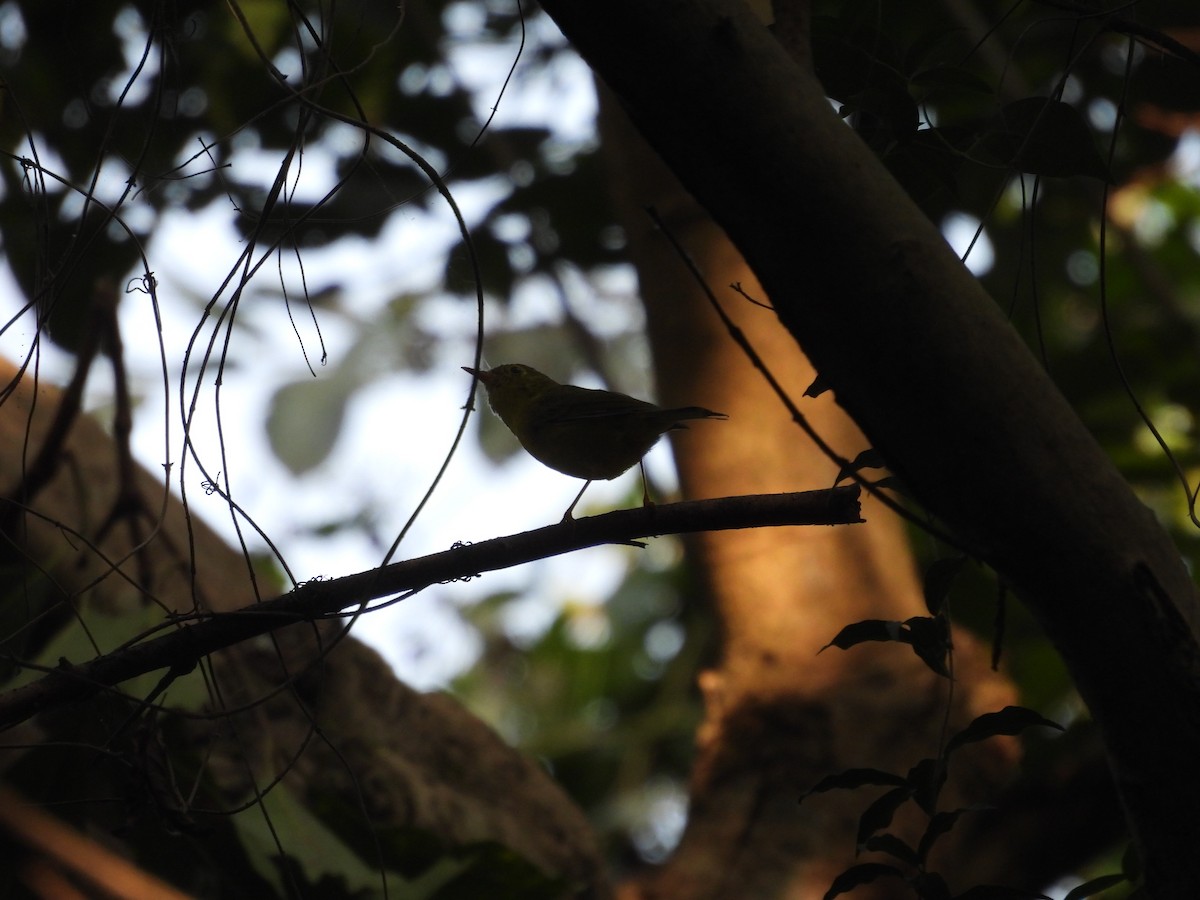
x,y
578,431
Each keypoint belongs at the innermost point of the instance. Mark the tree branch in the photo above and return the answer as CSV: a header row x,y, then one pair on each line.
x,y
199,635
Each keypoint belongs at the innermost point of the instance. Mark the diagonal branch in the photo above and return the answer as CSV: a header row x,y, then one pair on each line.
x,y
201,634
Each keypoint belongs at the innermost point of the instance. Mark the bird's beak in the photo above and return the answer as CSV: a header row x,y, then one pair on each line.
x,y
481,375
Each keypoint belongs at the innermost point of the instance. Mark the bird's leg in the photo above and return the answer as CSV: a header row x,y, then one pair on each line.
x,y
567,515
646,501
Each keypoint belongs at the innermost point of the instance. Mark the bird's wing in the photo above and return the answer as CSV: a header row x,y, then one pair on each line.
x,y
572,404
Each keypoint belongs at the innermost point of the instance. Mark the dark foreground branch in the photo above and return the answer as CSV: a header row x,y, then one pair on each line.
x,y
195,637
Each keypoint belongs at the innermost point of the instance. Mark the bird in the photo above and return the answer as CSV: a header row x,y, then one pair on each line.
x,y
582,432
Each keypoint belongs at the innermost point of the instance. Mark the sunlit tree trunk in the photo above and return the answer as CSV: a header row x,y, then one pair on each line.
x,y
778,716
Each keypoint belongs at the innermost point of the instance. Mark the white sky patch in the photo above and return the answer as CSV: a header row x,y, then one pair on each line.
x,y
560,98
973,246
1186,161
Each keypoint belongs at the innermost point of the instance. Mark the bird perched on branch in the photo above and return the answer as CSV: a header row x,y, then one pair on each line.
x,y
589,434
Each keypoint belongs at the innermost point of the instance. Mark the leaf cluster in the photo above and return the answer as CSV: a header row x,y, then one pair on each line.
x,y
921,785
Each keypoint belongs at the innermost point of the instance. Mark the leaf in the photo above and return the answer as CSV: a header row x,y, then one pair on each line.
x,y
327,860
926,779
1095,886
817,388
930,639
855,778
497,873
879,814
866,630
867,459
78,641
939,824
856,876
1008,721
892,845
305,419
891,483
938,578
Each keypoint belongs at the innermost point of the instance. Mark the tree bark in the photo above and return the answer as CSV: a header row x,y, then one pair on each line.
x,y
778,716
926,365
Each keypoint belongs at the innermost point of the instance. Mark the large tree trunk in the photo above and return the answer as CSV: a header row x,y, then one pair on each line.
x,y
927,366
778,716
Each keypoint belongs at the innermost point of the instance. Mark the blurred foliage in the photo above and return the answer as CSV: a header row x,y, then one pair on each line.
x,y
607,694
164,106
1116,323
146,121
